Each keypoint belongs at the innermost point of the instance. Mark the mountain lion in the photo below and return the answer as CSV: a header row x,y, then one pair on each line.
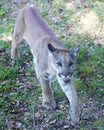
x,y
50,58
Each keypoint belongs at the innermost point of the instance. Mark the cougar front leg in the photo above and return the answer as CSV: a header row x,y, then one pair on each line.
x,y
16,39
71,94
48,100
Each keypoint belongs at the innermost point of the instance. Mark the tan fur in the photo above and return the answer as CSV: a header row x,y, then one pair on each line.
x,y
32,27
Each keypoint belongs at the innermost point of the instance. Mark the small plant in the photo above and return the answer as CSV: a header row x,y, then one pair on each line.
x,y
3,11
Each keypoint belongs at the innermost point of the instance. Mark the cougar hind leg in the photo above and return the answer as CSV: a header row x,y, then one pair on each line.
x,y
17,36
15,41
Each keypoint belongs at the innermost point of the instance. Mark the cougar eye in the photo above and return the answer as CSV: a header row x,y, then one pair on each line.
x,y
59,64
70,64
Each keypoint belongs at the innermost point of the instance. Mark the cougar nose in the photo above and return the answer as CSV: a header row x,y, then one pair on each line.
x,y
65,74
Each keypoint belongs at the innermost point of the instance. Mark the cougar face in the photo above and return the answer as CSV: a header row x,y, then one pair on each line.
x,y
63,62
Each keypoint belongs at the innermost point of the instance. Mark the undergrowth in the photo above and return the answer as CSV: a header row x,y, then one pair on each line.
x,y
20,91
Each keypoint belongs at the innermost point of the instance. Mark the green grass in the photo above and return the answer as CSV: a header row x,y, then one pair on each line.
x,y
99,124
3,11
19,87
4,44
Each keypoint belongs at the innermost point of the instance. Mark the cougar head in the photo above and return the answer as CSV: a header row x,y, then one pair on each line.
x,y
63,61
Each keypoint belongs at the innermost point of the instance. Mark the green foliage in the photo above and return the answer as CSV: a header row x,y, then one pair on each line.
x,y
7,73
99,124
82,57
31,70
1,29
69,14
78,84
58,93
19,87
102,0
100,12
4,45
90,69
3,11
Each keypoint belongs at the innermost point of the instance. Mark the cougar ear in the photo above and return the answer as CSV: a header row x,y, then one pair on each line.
x,y
75,51
51,48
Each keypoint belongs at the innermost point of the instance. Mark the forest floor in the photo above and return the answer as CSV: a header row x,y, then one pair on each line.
x,y
20,91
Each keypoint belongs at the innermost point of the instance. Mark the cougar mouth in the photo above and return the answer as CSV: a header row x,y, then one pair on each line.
x,y
67,81
64,77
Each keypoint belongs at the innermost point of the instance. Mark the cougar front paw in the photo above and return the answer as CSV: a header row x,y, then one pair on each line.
x,y
49,105
74,124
